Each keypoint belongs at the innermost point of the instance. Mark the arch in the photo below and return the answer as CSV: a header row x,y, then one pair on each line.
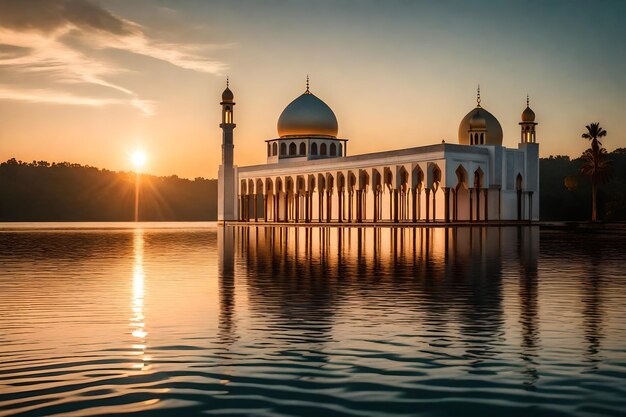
x,y
289,186
321,182
251,186
339,149
323,150
300,184
364,180
388,178
269,186
243,187
341,181
519,182
259,186
278,186
314,148
302,148
283,149
333,149
269,149
418,177
274,149
461,176
330,182
311,183
478,178
482,139
351,180
292,149
404,178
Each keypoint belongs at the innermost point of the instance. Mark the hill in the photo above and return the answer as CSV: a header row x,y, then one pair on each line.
x,y
40,191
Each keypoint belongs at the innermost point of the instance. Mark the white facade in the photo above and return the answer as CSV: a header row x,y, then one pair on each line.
x,y
442,182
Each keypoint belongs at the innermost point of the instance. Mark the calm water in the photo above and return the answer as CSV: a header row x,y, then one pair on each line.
x,y
198,320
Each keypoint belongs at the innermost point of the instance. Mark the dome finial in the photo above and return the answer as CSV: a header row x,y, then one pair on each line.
x,y
478,96
307,84
227,82
527,100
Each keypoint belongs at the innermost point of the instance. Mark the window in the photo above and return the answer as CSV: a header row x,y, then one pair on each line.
x,y
292,149
302,148
333,149
314,149
228,116
283,149
340,154
274,149
269,150
323,149
482,139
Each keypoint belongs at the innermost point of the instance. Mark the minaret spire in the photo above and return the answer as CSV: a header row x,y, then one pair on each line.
x,y
478,96
527,101
307,85
227,82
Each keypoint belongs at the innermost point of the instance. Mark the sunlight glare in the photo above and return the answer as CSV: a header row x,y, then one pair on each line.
x,y
138,159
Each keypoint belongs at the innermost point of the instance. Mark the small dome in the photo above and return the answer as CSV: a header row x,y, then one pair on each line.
x,y
227,95
477,121
528,115
492,125
307,115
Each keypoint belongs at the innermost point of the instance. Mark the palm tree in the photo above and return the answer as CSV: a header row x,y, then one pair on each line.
x,y
596,165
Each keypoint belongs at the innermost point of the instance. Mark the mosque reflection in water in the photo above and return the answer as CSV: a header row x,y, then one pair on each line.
x,y
437,286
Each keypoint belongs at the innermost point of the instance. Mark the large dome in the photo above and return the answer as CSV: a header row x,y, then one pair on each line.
x,y
307,115
492,125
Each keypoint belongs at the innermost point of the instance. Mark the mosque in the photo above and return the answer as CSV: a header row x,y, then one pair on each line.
x,y
309,178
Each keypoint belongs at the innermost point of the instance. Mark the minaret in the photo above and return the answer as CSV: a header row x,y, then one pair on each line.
x,y
528,134
226,193
528,144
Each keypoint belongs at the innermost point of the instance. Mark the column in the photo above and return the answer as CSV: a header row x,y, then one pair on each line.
x,y
446,194
395,206
265,207
485,191
254,208
434,204
427,204
471,205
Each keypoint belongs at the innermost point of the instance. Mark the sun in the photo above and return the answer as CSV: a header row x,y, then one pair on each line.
x,y
138,158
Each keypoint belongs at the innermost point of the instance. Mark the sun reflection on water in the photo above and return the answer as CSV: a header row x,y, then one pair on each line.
x,y
137,302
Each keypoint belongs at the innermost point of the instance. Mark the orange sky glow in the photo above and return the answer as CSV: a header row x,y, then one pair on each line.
x,y
92,85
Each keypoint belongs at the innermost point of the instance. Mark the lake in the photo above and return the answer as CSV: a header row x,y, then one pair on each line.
x,y
192,319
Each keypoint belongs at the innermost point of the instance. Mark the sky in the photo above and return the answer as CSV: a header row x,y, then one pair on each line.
x,y
91,81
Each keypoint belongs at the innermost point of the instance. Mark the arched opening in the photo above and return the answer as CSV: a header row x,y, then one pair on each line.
x,y
292,149
482,139
274,149
323,150
269,150
283,149
314,148
228,115
339,150
302,148
333,149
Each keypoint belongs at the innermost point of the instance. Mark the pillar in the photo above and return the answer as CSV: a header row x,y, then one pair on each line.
x,y
395,206
486,192
471,205
446,194
427,204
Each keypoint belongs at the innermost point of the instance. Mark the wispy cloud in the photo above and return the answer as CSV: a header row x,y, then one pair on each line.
x,y
38,32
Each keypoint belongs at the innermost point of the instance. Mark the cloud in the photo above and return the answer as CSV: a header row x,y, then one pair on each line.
x,y
34,39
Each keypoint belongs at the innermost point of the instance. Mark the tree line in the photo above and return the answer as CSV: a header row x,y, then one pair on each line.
x,y
43,191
